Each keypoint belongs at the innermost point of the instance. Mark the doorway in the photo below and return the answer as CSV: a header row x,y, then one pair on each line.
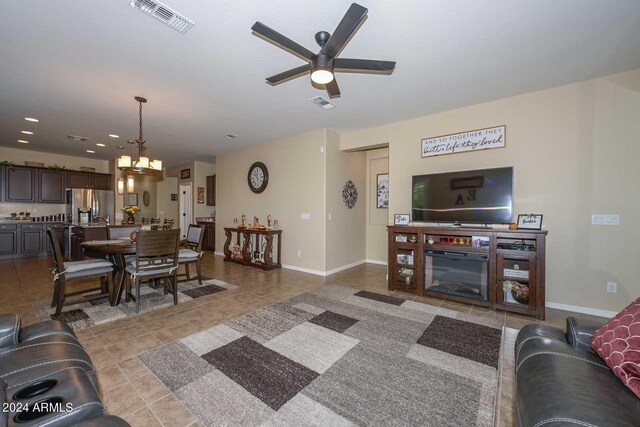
x,y
185,209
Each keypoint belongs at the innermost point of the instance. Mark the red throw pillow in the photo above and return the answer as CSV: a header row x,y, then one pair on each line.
x,y
618,344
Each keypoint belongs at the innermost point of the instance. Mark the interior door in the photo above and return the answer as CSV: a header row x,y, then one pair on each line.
x,y
185,209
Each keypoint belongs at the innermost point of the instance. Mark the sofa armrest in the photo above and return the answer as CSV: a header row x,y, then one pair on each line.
x,y
580,332
9,329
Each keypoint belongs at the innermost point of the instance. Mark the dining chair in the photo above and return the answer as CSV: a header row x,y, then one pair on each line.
x,y
120,231
145,221
64,272
192,251
155,220
156,258
168,224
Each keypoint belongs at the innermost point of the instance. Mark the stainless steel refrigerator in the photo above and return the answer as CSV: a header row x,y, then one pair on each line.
x,y
83,204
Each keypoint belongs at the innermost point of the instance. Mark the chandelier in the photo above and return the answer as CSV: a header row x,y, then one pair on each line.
x,y
141,166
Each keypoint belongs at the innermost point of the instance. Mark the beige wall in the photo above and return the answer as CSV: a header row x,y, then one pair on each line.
x,y
200,172
574,150
345,228
166,207
377,218
296,185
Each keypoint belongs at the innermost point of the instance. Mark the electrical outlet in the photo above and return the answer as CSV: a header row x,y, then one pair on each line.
x,y
299,253
612,287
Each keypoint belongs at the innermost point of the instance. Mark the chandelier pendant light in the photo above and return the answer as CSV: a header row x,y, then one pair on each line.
x,y
142,165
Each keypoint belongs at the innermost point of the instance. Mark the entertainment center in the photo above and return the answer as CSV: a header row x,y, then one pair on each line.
x,y
498,269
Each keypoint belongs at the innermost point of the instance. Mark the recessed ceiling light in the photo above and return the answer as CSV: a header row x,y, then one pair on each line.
x,y
22,141
31,119
230,136
26,132
100,145
90,151
120,147
113,135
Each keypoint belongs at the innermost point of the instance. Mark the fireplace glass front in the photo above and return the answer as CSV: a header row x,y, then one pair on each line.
x,y
462,274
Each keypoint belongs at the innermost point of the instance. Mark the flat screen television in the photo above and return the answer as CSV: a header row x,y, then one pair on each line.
x,y
483,196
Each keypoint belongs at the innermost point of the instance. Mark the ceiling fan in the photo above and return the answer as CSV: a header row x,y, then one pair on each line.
x,y
325,63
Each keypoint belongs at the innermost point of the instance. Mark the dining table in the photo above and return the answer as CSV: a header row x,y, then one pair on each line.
x,y
115,250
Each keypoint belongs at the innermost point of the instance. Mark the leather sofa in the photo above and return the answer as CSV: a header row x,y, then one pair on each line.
x,y
560,381
47,378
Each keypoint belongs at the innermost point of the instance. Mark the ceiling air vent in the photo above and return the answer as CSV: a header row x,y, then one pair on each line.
x,y
78,138
321,102
164,14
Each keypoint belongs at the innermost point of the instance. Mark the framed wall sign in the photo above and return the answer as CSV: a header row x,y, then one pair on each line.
x,y
185,174
200,194
133,199
382,185
401,219
472,140
530,222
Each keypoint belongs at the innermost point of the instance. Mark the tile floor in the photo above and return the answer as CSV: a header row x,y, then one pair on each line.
x,y
131,391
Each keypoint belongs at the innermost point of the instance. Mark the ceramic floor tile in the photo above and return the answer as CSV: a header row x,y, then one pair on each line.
x,y
143,418
171,412
122,400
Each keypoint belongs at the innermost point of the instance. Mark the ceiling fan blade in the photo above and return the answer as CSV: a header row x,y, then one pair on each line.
x,y
283,42
350,23
332,89
291,74
369,66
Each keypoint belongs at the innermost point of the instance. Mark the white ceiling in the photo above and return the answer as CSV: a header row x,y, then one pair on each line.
x,y
77,64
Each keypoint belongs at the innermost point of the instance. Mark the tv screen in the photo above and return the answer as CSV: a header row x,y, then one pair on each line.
x,y
482,196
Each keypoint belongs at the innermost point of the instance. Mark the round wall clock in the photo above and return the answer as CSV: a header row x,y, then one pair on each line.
x,y
258,177
349,194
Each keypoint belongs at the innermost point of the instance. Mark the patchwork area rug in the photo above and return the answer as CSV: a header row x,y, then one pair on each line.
x,y
338,357
95,312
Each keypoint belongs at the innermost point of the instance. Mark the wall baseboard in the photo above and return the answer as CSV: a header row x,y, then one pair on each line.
x,y
375,261
579,309
218,253
304,270
324,273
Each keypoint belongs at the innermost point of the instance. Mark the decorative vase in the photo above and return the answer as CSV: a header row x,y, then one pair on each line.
x,y
131,219
407,280
521,298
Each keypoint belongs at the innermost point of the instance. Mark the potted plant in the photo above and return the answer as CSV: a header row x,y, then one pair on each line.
x,y
131,211
407,274
519,291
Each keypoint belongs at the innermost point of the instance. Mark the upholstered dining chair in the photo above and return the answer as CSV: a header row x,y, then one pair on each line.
x,y
145,221
156,258
168,224
192,251
64,272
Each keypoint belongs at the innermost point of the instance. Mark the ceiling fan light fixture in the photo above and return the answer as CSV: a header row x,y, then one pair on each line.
x,y
322,76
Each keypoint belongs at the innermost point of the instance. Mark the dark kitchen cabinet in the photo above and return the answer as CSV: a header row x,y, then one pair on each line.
x,y
101,181
78,180
209,240
31,238
20,184
211,190
8,239
51,185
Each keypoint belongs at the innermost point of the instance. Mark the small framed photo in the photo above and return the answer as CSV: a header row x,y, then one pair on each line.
x,y
185,174
401,219
201,195
382,184
133,199
530,222
401,238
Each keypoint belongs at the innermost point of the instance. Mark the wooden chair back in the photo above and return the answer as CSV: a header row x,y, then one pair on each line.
x,y
157,249
58,259
168,224
145,221
120,231
155,220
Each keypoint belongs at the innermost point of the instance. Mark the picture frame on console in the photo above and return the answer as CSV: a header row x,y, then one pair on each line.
x,y
530,222
401,219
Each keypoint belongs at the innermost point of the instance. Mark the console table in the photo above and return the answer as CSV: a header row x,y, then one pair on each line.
x,y
499,269
256,247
